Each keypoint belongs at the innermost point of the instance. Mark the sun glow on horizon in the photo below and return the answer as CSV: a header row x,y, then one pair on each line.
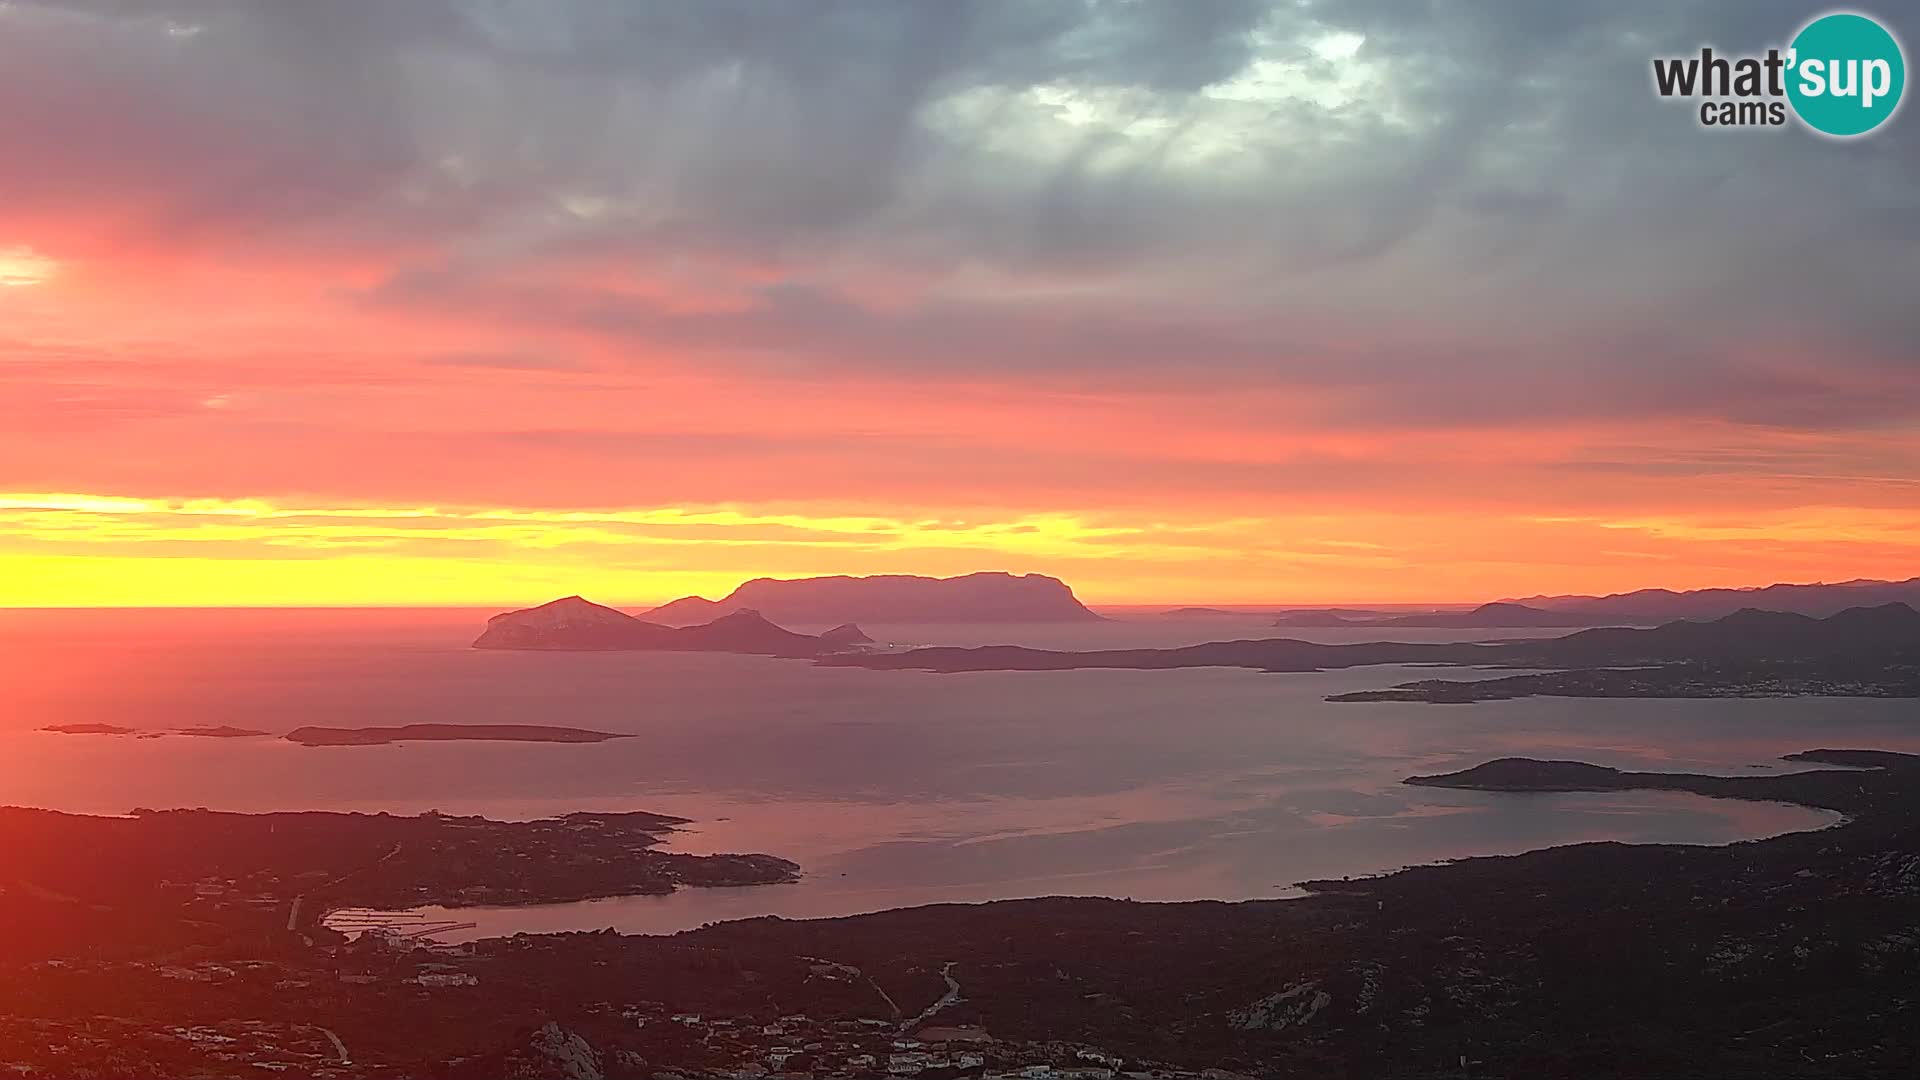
x,y
22,266
93,550
1180,305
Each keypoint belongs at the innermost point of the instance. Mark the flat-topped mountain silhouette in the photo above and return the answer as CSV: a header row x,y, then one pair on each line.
x,y
1819,598
890,598
1203,613
573,623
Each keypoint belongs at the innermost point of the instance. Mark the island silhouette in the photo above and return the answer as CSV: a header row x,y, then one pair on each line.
x,y
985,597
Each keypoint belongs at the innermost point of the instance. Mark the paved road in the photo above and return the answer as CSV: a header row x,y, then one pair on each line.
x,y
338,1046
952,995
293,917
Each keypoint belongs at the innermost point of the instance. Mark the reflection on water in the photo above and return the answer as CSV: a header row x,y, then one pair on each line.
x,y
890,788
1254,855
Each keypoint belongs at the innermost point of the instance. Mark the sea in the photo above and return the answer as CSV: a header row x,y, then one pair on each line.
x,y
889,788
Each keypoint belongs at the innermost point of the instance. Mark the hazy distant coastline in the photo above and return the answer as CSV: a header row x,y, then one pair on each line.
x,y
218,732
364,736
383,736
1859,652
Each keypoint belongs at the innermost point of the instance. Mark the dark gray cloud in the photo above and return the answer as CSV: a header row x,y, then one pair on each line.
x,y
1467,212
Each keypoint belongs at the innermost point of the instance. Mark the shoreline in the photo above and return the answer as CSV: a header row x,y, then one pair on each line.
x,y
594,917
1787,956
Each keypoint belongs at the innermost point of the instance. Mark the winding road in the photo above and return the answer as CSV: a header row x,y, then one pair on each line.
x,y
952,995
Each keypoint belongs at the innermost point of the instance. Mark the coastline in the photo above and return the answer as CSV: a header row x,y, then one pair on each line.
x,y
819,893
1587,959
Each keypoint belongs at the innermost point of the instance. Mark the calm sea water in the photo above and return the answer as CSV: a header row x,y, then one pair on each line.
x,y
890,788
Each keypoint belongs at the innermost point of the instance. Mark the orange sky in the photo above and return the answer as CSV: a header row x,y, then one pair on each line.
x,y
179,434
486,331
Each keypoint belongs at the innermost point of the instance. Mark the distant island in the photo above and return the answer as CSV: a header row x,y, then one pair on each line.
x,y
366,736
1811,599
1528,774
220,732
1830,788
890,598
1329,617
573,623
382,736
1311,617
1263,654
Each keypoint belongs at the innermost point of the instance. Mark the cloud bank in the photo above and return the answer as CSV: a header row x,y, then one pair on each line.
x,y
1187,262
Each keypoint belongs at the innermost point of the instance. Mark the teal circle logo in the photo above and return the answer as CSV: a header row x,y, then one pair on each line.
x,y
1846,74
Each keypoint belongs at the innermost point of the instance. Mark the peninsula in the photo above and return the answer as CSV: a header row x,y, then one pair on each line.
x,y
154,882
1818,598
1871,651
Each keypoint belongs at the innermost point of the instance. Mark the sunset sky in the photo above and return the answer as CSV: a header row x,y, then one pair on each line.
x,y
361,301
